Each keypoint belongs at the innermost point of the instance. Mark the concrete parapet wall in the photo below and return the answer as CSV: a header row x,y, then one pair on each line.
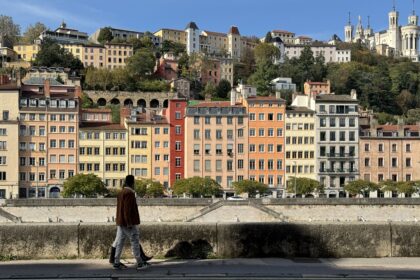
x,y
228,240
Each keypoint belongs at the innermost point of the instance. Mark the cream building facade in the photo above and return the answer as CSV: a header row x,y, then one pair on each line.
x,y
9,133
300,143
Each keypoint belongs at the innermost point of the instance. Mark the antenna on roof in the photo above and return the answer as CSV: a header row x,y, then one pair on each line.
x,y
368,26
414,12
349,18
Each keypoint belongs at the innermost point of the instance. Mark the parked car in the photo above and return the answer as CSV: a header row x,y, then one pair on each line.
x,y
235,198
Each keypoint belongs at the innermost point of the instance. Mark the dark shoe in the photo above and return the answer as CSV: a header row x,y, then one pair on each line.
x,y
143,265
143,255
112,255
119,266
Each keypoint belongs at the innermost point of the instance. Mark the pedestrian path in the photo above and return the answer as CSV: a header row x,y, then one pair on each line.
x,y
262,269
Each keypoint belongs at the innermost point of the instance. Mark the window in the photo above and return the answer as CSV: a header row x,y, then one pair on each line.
x,y
218,149
229,134
261,148
5,118
218,120
229,165
332,122
381,147
279,116
252,164
252,116
240,133
367,162
53,143
196,165
261,132
322,136
177,129
196,134
322,122
261,116
408,148
367,147
342,122
178,145
196,120
207,165
332,135
229,120
408,162
394,162
177,162
207,120
252,132
394,148
279,132
380,162
196,149
261,164
207,134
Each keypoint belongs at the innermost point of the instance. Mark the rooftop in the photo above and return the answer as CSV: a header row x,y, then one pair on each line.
x,y
335,98
234,30
9,86
213,104
282,31
191,25
215,33
101,126
40,81
299,109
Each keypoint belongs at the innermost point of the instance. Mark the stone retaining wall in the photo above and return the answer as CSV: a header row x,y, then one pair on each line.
x,y
225,240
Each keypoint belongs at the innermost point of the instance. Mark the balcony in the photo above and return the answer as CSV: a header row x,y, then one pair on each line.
x,y
338,170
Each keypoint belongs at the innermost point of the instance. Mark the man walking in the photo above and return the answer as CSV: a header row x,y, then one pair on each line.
x,y
128,219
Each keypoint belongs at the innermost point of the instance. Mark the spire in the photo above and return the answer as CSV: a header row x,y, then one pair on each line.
x,y
368,23
393,6
414,11
360,20
349,19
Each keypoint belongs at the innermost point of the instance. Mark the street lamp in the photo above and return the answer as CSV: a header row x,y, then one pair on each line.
x,y
295,178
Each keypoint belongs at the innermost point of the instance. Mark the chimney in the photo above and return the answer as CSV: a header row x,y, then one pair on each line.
x,y
47,88
78,92
232,97
124,112
353,94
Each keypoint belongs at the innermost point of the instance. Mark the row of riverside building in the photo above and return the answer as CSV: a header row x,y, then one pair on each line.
x,y
46,137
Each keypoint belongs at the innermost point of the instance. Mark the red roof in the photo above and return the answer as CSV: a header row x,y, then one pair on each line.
x,y
234,30
304,37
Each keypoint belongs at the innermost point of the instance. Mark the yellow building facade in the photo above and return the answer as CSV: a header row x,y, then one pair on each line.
x,y
9,133
26,52
103,151
173,35
300,143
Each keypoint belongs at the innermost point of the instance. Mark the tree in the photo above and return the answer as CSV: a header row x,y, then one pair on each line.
x,y
405,100
268,37
88,185
304,186
105,35
142,63
385,118
244,69
9,29
266,52
407,188
32,32
249,186
223,89
87,102
148,187
197,187
360,187
175,47
209,90
413,116
52,55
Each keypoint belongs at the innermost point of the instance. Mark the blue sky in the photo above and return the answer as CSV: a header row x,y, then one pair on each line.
x,y
316,18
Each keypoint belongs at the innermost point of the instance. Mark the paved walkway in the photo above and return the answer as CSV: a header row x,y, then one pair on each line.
x,y
383,268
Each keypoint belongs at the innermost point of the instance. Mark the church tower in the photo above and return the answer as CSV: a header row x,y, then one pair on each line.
x,y
410,34
394,37
348,32
193,38
359,30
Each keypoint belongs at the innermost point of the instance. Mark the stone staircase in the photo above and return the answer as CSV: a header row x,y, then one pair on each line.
x,y
9,216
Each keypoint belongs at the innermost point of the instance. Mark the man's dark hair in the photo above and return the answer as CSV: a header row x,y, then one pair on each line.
x,y
129,181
